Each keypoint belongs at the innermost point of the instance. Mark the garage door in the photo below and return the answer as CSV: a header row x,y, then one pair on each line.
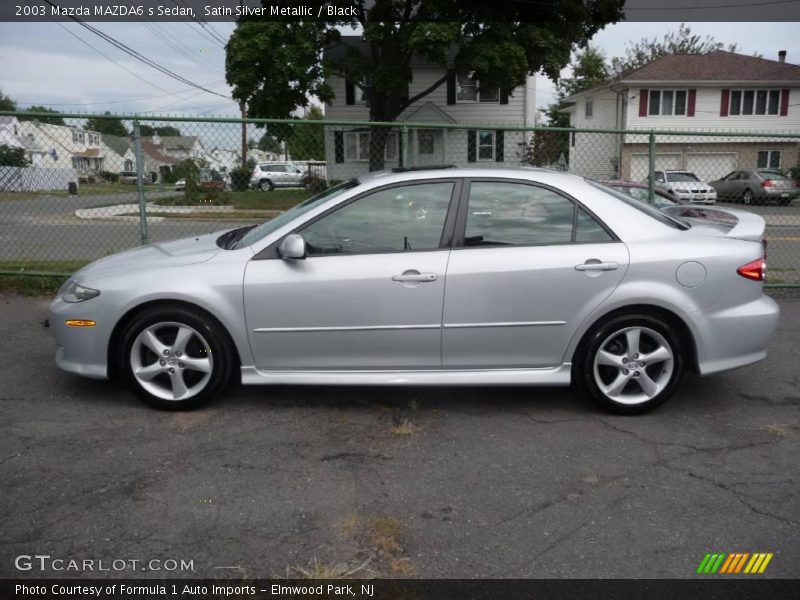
x,y
640,164
709,166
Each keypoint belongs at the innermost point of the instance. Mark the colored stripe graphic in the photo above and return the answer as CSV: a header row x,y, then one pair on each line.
x,y
734,563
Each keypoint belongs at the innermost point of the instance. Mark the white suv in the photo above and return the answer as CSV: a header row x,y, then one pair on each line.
x,y
685,186
268,176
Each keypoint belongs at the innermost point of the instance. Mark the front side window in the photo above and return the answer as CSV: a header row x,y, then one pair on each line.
x,y
517,214
754,102
769,159
666,102
397,219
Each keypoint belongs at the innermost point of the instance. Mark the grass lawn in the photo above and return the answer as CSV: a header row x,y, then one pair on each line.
x,y
251,199
28,285
87,189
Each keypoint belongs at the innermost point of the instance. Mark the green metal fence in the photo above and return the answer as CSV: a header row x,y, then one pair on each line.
x,y
70,194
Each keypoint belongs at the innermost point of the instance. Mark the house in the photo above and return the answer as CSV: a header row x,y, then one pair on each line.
x,y
223,160
181,147
459,99
157,164
118,152
11,135
67,147
719,91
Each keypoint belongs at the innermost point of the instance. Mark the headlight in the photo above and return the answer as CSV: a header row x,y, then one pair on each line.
x,y
74,292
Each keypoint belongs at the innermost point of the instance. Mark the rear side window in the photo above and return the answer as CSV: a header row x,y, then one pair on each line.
x,y
517,214
645,208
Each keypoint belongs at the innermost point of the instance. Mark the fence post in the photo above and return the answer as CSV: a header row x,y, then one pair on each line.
x,y
651,170
404,144
137,150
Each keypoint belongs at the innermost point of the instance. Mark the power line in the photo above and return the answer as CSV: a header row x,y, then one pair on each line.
x,y
212,35
138,56
158,32
213,84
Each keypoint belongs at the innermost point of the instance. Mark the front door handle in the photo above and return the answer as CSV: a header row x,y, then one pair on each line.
x,y
596,265
414,277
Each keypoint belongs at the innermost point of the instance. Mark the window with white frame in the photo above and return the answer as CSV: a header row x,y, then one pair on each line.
x,y
469,89
667,102
754,102
588,109
356,146
77,136
769,159
485,145
94,139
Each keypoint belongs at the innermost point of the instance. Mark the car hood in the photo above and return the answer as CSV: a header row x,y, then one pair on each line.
x,y
186,251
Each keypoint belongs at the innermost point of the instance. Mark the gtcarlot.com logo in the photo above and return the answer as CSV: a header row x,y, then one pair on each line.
x,y
724,563
45,562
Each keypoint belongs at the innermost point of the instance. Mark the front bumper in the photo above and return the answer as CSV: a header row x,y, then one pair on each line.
x,y
81,350
735,336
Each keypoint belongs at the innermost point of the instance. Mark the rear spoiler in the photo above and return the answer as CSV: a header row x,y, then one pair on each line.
x,y
740,224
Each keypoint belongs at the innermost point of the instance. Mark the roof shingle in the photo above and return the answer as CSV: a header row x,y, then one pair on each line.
x,y
714,66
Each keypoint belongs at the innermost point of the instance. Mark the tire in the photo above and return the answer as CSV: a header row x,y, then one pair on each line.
x,y
602,369
748,197
266,185
175,358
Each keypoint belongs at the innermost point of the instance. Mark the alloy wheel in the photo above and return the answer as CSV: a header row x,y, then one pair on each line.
x,y
633,365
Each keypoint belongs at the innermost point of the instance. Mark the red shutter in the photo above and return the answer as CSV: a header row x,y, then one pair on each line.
x,y
784,102
692,99
642,103
723,103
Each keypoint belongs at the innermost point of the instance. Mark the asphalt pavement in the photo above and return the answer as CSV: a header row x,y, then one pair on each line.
x,y
454,482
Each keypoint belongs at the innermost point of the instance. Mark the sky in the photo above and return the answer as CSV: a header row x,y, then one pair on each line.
x,y
66,67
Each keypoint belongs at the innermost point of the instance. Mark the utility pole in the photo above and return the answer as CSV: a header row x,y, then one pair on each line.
x,y
243,107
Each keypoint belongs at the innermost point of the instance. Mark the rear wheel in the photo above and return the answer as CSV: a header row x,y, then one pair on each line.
x,y
175,358
630,364
267,185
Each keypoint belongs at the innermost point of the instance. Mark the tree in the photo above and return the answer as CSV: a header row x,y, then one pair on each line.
x,y
307,142
55,120
682,41
277,66
107,126
588,70
12,157
6,103
164,130
268,143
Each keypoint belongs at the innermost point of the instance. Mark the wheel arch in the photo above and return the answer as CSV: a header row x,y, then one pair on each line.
x,y
133,312
685,335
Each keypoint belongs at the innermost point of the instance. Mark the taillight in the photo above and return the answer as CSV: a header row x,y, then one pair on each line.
x,y
767,183
755,270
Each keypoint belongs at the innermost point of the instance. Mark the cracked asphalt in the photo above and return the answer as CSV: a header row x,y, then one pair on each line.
x,y
482,482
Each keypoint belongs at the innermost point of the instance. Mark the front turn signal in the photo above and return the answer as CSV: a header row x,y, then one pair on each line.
x,y
80,323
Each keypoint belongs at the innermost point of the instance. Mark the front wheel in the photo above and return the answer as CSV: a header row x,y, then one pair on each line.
x,y
748,197
630,364
175,358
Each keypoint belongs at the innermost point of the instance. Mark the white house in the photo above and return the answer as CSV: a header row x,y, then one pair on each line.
x,y
66,147
719,91
118,152
181,147
11,135
224,160
458,100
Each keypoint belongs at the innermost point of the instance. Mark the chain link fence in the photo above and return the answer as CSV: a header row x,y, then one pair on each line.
x,y
74,188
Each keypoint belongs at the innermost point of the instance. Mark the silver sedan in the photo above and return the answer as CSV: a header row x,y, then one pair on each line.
x,y
430,277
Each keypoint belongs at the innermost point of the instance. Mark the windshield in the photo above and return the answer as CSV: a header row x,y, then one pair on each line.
x,y
282,219
681,177
642,206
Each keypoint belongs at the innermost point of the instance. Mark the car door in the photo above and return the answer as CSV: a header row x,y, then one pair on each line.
x,y
528,266
723,185
369,293
293,175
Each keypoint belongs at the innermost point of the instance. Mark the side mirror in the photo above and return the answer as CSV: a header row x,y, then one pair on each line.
x,y
292,247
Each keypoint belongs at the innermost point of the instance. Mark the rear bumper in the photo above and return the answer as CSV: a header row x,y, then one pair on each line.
x,y
735,336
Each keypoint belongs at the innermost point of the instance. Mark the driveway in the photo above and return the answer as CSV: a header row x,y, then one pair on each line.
x,y
484,482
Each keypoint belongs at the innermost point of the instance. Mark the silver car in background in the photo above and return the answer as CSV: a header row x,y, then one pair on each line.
x,y
757,186
268,176
478,276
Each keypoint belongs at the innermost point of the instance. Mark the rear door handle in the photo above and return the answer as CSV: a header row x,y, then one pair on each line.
x,y
597,266
414,277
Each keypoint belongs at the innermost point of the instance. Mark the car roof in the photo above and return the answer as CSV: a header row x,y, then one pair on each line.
x,y
409,174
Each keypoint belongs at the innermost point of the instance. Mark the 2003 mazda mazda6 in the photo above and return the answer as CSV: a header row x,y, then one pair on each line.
x,y
478,276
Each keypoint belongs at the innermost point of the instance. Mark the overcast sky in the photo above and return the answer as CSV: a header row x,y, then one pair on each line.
x,y
69,68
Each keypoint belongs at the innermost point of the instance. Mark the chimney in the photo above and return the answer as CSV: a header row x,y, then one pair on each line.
x,y
782,56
